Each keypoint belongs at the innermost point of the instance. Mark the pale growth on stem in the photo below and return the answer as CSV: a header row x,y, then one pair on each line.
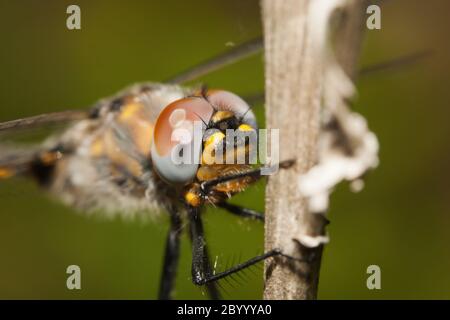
x,y
346,148
313,242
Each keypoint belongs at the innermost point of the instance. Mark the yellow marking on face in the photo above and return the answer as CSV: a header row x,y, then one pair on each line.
x,y
221,115
245,127
214,138
192,199
6,173
208,155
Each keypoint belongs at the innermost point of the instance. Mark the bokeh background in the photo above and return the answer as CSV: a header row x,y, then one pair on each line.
x,y
400,221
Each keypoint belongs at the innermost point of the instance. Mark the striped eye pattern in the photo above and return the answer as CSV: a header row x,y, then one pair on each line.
x,y
175,153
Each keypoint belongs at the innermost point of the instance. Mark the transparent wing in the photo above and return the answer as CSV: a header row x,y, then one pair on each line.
x,y
15,159
233,55
42,120
394,64
18,158
388,65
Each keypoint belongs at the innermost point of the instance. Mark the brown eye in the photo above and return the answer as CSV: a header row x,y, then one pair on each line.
x,y
174,134
183,111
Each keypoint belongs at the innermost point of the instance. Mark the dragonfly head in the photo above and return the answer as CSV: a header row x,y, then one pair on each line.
x,y
189,132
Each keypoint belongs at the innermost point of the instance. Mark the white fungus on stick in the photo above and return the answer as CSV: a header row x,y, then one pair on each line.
x,y
347,149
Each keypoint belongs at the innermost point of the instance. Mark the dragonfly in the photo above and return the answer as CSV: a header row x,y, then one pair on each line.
x,y
114,157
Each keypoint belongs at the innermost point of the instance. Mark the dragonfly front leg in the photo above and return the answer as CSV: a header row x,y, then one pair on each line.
x,y
200,273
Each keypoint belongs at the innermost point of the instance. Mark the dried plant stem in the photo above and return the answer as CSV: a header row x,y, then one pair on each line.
x,y
293,97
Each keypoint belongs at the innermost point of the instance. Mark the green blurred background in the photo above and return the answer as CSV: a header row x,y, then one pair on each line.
x,y
400,221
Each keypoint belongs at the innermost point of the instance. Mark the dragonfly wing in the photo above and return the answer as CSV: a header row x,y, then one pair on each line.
x,y
16,160
42,120
233,55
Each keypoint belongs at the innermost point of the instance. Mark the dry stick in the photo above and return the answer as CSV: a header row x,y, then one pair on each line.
x,y
293,79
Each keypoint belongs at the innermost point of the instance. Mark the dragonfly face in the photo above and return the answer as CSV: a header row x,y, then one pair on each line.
x,y
217,112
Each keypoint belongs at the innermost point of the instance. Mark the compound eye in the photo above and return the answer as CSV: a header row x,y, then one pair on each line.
x,y
228,101
177,139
